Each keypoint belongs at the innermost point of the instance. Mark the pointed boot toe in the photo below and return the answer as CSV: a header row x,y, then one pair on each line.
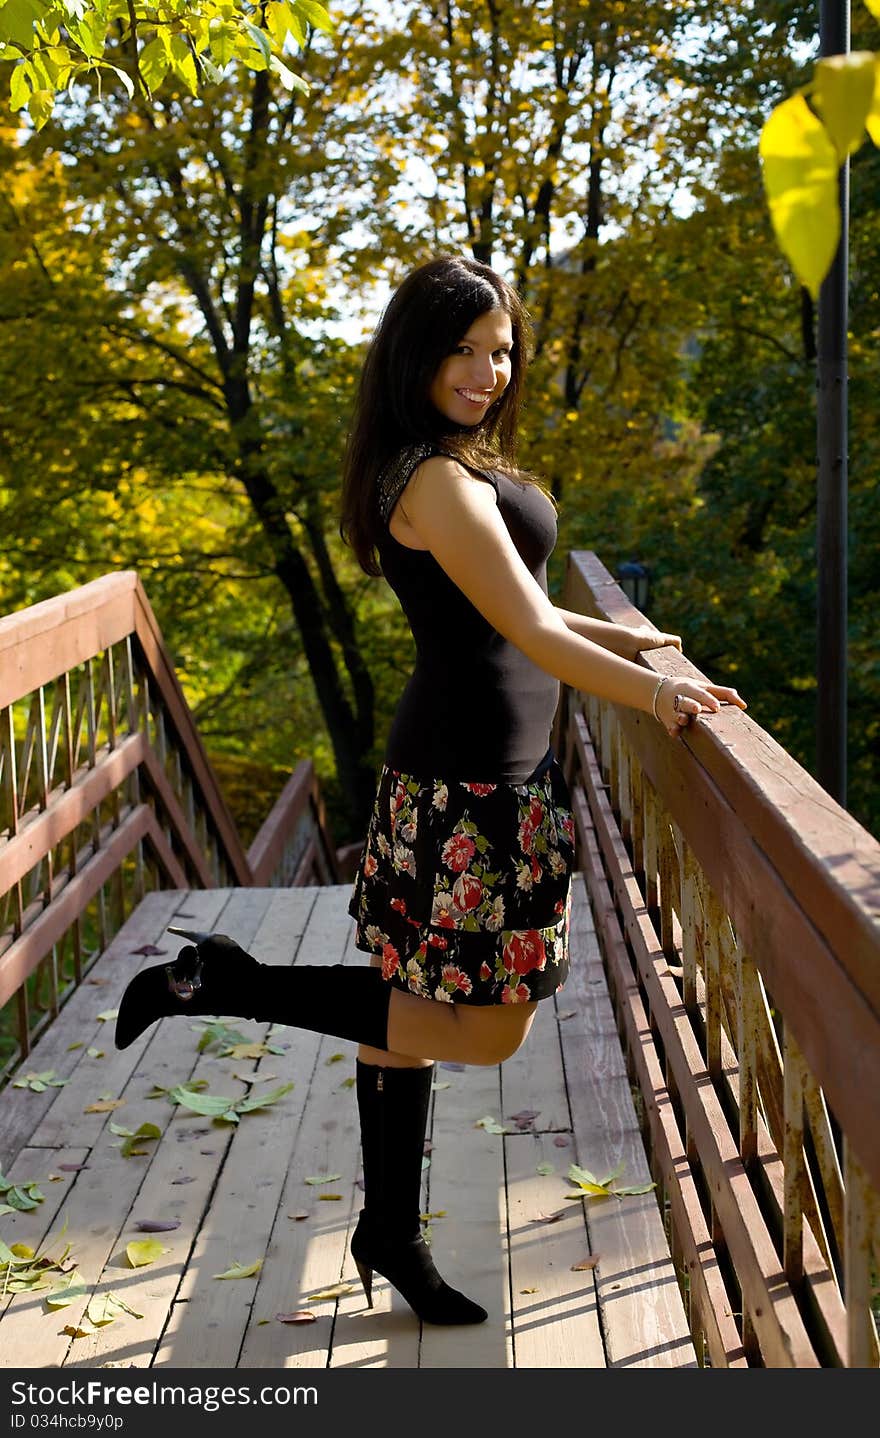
x,y
157,993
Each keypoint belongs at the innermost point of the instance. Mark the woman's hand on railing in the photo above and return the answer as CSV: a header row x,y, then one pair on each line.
x,y
630,640
677,701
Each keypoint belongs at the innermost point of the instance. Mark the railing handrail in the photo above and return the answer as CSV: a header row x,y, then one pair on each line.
x,y
821,866
267,847
90,807
52,637
829,860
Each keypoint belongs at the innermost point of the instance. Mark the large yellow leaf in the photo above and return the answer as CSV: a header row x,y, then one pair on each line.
x,y
843,89
874,7
872,120
142,1251
800,169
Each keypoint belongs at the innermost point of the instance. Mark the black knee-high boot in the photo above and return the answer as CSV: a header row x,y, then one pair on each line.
x,y
218,977
393,1107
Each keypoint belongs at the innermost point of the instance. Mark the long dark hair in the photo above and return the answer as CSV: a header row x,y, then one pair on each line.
x,y
426,318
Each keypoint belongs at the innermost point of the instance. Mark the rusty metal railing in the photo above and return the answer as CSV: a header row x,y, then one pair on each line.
x,y
737,908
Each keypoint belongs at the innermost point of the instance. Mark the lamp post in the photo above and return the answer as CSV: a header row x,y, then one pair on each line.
x,y
634,579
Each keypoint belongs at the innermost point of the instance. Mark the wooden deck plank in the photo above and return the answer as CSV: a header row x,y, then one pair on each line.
x,y
642,1312
466,1180
533,1079
555,1310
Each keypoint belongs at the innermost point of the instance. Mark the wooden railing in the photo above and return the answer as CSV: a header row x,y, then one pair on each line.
x,y
106,792
737,907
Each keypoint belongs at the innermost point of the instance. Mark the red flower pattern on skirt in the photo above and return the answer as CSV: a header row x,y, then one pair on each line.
x,y
464,888
524,952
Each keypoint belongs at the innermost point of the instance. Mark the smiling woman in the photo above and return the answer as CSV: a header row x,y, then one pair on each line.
x,y
477,372
462,895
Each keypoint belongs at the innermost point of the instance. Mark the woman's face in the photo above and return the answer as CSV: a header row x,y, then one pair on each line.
x,y
477,372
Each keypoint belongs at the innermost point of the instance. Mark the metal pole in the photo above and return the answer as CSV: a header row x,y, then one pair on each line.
x,y
831,448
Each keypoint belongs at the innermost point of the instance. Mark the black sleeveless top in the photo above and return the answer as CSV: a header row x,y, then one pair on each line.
x,y
476,708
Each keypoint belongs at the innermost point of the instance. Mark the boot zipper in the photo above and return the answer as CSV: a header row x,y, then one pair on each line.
x,y
380,1081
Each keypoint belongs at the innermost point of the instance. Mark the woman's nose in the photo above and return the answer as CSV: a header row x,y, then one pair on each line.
x,y
483,373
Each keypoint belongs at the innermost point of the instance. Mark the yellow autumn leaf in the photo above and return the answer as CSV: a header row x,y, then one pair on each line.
x,y
70,1289
874,7
338,1290
105,1308
872,119
140,1252
84,1329
843,90
241,1270
800,169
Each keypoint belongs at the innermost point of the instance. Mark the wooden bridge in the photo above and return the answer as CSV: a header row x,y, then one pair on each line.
x,y
717,1047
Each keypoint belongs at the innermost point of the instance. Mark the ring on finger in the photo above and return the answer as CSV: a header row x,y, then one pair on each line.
x,y
676,702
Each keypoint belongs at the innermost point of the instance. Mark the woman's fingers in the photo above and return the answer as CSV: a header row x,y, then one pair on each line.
x,y
727,695
655,639
681,700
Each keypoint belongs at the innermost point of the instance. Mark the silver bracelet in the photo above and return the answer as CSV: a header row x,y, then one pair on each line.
x,y
660,682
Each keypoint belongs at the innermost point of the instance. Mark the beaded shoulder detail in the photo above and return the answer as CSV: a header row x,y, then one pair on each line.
x,y
397,474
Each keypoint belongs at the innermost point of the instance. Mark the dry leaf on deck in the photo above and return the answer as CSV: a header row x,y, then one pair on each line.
x,y
323,1178
142,1251
525,1117
104,1105
157,1225
586,1264
303,1317
71,1288
105,1308
338,1290
490,1124
241,1270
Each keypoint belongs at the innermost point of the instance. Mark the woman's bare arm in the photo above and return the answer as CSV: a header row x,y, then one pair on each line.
x,y
456,517
623,639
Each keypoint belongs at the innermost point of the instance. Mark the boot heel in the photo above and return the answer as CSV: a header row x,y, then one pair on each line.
x,y
365,1274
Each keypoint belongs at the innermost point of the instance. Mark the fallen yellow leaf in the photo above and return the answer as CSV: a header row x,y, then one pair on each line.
x,y
339,1290
240,1270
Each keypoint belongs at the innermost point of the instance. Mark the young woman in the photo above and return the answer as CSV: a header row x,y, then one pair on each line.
x,y
462,895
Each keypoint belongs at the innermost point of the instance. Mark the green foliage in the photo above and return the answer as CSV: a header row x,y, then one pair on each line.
x,y
179,44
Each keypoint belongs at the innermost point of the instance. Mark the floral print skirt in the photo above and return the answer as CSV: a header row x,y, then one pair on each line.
x,y
465,888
